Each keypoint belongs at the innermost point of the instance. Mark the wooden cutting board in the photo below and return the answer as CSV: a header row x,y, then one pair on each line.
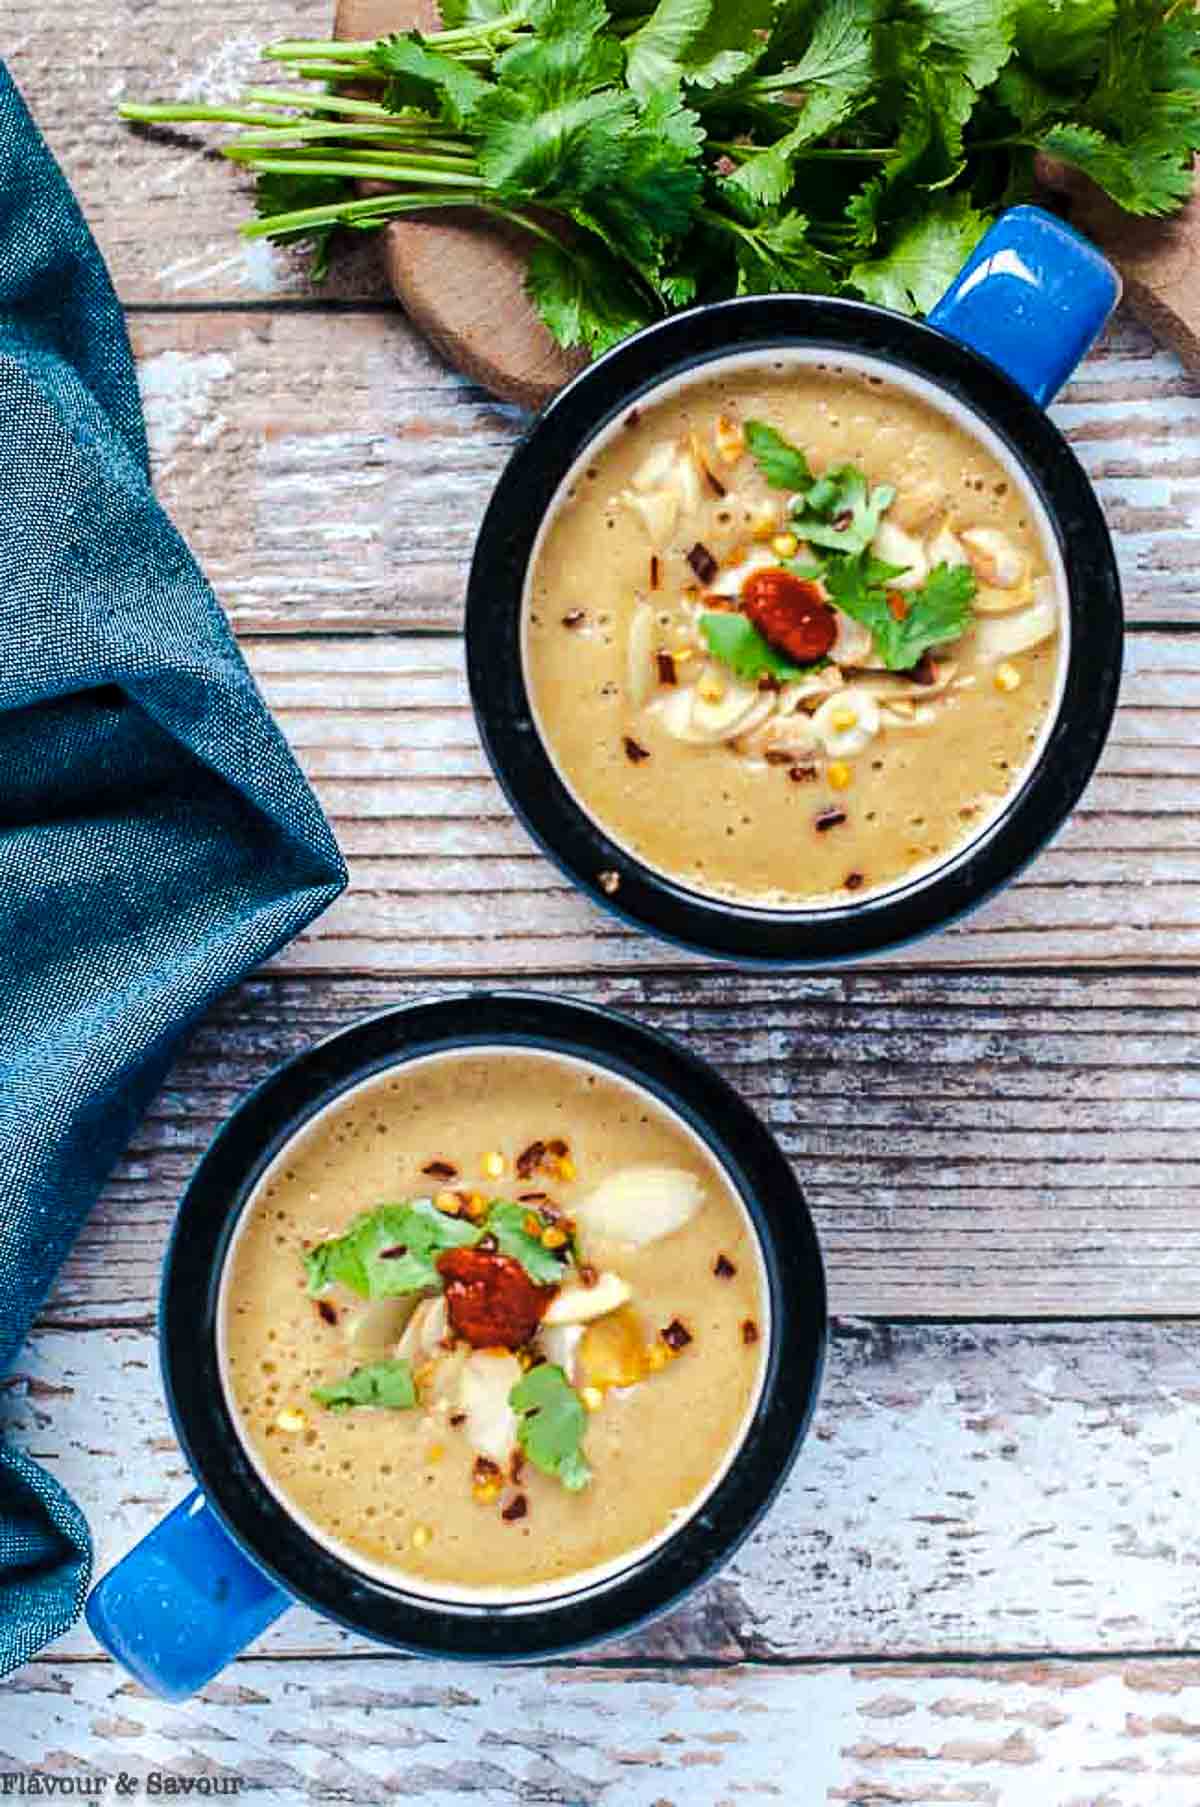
x,y
461,278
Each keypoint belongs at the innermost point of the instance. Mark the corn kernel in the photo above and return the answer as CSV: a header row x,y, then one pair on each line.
x,y
476,1206
421,1537
449,1202
554,1238
492,1165
531,1223
785,545
435,1452
1007,677
843,720
592,1398
681,654
291,1419
711,690
838,775
486,1491
567,1169
657,1357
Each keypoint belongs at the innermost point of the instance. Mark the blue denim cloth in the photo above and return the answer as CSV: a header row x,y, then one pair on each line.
x,y
156,838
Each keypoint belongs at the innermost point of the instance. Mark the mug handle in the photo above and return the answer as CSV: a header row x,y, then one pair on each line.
x,y
1033,297
183,1603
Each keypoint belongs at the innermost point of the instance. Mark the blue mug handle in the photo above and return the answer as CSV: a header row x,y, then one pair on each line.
x,y
183,1603
1033,297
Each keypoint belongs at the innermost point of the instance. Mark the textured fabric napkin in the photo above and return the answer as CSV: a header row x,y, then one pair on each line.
x,y
156,837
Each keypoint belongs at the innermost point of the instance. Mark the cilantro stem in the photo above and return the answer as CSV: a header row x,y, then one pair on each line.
x,y
414,169
301,49
372,208
188,110
325,103
392,133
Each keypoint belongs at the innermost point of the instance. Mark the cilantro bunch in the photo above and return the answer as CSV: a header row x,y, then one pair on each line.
x,y
705,148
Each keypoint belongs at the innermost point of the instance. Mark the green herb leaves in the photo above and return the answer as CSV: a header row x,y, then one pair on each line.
x,y
940,610
551,1420
387,1383
507,1223
658,152
837,510
389,1251
783,465
736,642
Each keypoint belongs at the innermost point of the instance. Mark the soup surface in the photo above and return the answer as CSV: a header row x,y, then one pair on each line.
x,y
792,633
535,1369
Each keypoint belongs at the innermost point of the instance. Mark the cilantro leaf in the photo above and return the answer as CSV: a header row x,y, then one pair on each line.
x,y
654,53
551,1419
937,612
418,76
386,1383
731,44
839,511
737,643
777,257
976,35
277,193
506,1222
782,464
389,1251
1062,39
457,13
1142,175
924,257
584,295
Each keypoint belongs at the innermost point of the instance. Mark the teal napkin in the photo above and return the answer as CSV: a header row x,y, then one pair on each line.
x,y
156,838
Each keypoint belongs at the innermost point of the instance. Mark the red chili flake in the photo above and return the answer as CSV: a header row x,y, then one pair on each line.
x,y
396,1253
485,1470
633,416
777,756
769,682
634,751
457,1420
923,672
516,1508
714,483
327,1311
897,606
842,519
588,1275
676,1335
829,818
802,774
557,1147
532,1198
666,668
516,1466
855,881
655,571
723,1268
490,1300
609,883
440,1170
703,563
749,1332
530,1159
574,618
790,613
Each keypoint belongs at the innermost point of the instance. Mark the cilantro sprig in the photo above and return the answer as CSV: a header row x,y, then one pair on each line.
x,y
662,153
551,1420
904,624
737,643
393,1249
388,1383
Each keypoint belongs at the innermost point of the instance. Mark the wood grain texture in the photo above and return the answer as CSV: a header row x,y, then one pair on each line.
x,y
331,475
1033,1734
971,1144
445,881
966,1490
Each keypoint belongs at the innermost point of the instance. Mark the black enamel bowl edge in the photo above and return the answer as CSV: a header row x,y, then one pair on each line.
x,y
646,899
271,1115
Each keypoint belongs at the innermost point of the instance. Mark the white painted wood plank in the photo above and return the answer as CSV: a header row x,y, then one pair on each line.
x,y
1108,1734
967,1490
987,1144
331,473
445,880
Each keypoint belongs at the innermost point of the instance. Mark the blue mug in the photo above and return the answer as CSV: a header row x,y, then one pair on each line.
x,y
230,1559
995,350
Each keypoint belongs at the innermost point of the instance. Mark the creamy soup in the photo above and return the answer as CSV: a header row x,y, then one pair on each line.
x,y
793,632
493,1321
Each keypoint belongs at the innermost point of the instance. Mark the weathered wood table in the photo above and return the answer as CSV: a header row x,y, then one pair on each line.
x,y
983,1582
